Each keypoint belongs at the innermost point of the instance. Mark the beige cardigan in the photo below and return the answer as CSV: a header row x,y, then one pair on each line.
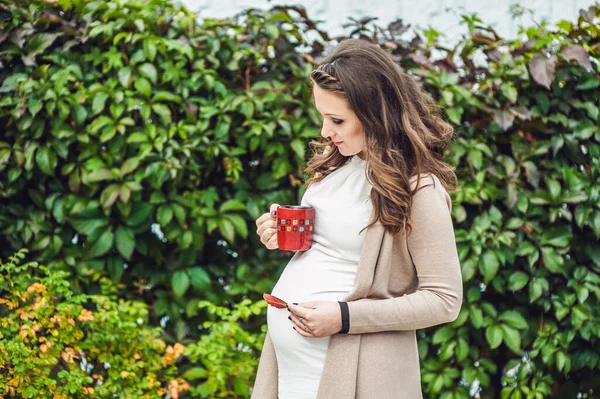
x,y
402,284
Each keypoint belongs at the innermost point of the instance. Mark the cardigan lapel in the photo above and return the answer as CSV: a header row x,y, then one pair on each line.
x,y
338,380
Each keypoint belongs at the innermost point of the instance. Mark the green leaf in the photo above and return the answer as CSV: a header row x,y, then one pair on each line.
x,y
99,102
517,280
163,111
199,278
298,147
232,205
88,226
141,213
143,86
553,261
514,319
164,215
166,96
469,267
443,334
114,265
493,335
137,137
239,224
99,175
195,373
512,338
455,114
150,49
563,362
489,265
102,245
180,283
46,160
476,316
535,290
149,71
109,195
129,165
227,229
125,76
125,241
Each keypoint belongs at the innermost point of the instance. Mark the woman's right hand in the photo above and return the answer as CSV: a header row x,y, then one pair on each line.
x,y
267,228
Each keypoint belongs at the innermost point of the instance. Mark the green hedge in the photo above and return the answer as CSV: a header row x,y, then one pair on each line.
x,y
140,144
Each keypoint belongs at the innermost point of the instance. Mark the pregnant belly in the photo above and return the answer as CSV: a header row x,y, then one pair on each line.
x,y
309,276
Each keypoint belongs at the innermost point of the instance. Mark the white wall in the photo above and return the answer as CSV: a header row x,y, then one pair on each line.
x,y
442,15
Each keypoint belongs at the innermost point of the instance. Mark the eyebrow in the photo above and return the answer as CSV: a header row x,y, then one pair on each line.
x,y
334,115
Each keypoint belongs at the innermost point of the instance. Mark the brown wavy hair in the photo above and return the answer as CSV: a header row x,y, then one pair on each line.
x,y
405,135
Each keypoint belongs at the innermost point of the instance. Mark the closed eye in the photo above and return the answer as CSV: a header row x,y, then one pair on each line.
x,y
337,121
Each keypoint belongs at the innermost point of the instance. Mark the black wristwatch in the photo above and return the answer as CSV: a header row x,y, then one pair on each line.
x,y
345,317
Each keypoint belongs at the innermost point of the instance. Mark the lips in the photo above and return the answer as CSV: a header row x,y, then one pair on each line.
x,y
337,142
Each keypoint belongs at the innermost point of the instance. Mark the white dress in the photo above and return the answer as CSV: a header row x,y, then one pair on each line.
x,y
325,272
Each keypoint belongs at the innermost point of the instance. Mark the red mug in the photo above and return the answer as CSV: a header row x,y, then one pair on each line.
x,y
295,225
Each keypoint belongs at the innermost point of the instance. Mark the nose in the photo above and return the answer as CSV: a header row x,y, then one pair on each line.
x,y
326,131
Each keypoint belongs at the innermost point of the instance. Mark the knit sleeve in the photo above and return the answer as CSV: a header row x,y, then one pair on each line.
x,y
432,247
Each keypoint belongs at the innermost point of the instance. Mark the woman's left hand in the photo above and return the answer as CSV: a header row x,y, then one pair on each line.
x,y
321,318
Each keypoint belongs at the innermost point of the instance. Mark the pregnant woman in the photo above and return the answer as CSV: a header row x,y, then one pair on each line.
x,y
383,261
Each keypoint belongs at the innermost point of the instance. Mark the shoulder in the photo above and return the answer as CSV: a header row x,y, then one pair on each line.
x,y
430,192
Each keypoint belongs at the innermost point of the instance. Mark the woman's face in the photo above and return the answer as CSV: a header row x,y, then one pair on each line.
x,y
340,123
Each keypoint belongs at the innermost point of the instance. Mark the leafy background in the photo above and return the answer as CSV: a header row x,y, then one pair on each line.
x,y
139,145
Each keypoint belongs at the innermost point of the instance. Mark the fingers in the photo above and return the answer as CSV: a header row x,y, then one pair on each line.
x,y
266,227
273,209
272,242
303,333
263,218
266,230
300,328
300,311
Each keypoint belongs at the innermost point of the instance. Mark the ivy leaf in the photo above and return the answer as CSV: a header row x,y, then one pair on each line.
x,y
443,334
163,111
517,280
149,71
166,96
542,69
489,265
129,165
239,224
504,119
99,102
180,283
514,319
46,160
199,278
36,44
512,338
552,260
298,148
227,229
164,215
125,76
99,175
493,336
575,52
232,205
102,245
143,86
125,241
109,195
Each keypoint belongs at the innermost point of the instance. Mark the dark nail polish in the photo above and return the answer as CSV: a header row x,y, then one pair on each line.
x,y
294,303
294,328
274,213
290,317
